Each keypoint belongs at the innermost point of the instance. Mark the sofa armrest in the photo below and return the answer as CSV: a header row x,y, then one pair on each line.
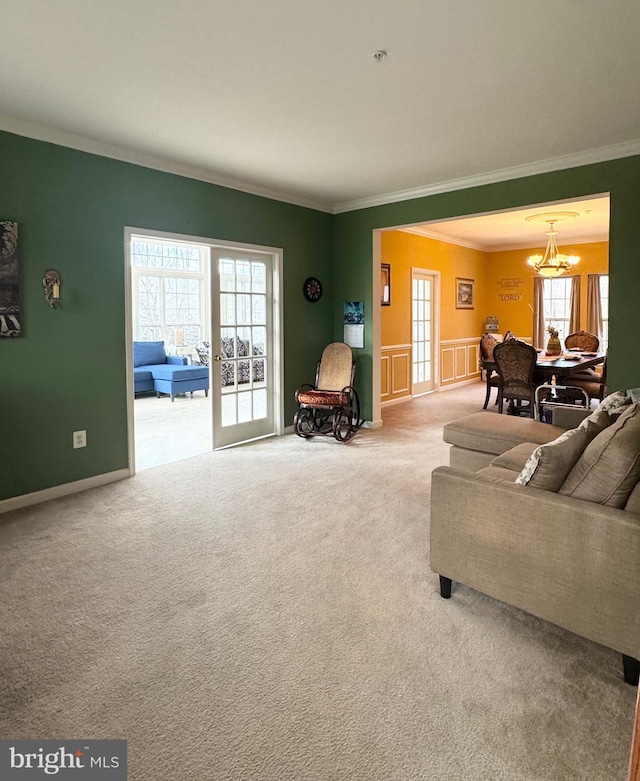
x,y
177,360
571,562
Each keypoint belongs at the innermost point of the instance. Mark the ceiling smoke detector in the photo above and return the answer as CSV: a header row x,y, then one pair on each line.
x,y
379,55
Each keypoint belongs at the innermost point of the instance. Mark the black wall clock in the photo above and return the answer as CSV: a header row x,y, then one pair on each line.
x,y
312,289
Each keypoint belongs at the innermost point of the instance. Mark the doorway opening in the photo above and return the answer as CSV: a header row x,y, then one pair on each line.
x,y
204,345
484,284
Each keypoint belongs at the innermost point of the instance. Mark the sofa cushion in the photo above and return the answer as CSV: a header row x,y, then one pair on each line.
x,y
515,458
633,502
142,374
609,468
147,353
549,465
498,473
492,433
179,373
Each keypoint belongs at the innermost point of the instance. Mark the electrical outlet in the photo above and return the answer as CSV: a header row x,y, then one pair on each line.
x,y
79,439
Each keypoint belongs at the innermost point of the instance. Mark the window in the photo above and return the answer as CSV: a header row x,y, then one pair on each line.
x,y
169,293
604,305
557,305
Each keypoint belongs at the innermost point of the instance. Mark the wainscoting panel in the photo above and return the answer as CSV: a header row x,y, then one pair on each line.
x,y
459,360
395,372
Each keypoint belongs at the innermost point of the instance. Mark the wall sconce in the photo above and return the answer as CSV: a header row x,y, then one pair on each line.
x,y
51,282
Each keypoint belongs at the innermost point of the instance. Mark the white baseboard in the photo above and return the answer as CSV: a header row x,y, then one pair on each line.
x,y
56,491
459,384
391,402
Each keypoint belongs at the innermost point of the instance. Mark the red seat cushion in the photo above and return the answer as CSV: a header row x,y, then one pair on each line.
x,y
321,398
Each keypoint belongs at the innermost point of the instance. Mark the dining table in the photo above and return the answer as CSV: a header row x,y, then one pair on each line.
x,y
559,366
554,369
563,366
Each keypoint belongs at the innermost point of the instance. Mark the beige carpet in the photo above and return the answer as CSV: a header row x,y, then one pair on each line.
x,y
268,612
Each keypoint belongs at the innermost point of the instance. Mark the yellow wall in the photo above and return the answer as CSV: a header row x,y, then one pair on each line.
x,y
405,250
508,283
504,284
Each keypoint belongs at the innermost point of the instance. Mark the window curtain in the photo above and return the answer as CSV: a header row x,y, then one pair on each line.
x,y
574,305
594,306
539,339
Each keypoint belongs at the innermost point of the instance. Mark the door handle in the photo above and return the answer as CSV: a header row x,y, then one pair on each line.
x,y
217,357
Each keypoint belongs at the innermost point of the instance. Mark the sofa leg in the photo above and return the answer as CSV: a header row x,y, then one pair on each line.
x,y
173,396
157,394
206,393
631,669
445,587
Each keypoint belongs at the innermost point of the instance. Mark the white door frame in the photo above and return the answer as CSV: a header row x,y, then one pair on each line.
x,y
278,329
435,314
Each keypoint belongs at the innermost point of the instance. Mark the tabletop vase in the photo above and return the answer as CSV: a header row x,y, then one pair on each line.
x,y
553,345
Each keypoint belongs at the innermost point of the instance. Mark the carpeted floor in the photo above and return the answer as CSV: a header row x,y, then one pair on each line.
x,y
268,613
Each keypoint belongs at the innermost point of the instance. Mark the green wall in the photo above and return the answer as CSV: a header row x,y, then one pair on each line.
x,y
67,371
353,249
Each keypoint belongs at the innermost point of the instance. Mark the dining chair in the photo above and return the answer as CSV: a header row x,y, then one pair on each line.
x,y
582,340
515,361
487,344
595,386
509,335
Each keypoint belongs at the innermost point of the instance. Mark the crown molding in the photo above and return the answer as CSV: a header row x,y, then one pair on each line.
x,y
535,245
83,144
574,160
504,247
429,234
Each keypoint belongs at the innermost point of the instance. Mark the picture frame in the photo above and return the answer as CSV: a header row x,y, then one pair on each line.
x,y
465,293
385,284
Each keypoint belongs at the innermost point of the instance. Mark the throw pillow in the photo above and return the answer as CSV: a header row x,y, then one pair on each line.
x,y
605,413
609,468
549,465
613,402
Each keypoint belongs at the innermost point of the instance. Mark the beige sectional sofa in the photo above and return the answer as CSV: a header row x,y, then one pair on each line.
x,y
563,542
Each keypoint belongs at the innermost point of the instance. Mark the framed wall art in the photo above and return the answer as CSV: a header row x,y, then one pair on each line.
x,y
465,293
9,280
385,284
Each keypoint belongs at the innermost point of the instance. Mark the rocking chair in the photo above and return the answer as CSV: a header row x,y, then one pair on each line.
x,y
331,407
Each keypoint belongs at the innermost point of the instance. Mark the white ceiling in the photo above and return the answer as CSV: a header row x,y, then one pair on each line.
x,y
511,230
285,98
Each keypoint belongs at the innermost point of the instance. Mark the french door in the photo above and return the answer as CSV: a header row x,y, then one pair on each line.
x,y
242,346
423,287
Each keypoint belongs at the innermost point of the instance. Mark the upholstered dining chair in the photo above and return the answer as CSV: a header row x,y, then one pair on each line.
x,y
595,386
487,343
515,361
588,342
509,335
582,340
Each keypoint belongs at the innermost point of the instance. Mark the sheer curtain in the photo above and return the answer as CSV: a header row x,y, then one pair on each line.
x,y
594,305
574,305
539,339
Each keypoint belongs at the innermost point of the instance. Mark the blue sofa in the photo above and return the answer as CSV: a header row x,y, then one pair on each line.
x,y
154,370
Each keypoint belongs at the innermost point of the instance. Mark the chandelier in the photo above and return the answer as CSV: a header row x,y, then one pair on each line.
x,y
552,263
